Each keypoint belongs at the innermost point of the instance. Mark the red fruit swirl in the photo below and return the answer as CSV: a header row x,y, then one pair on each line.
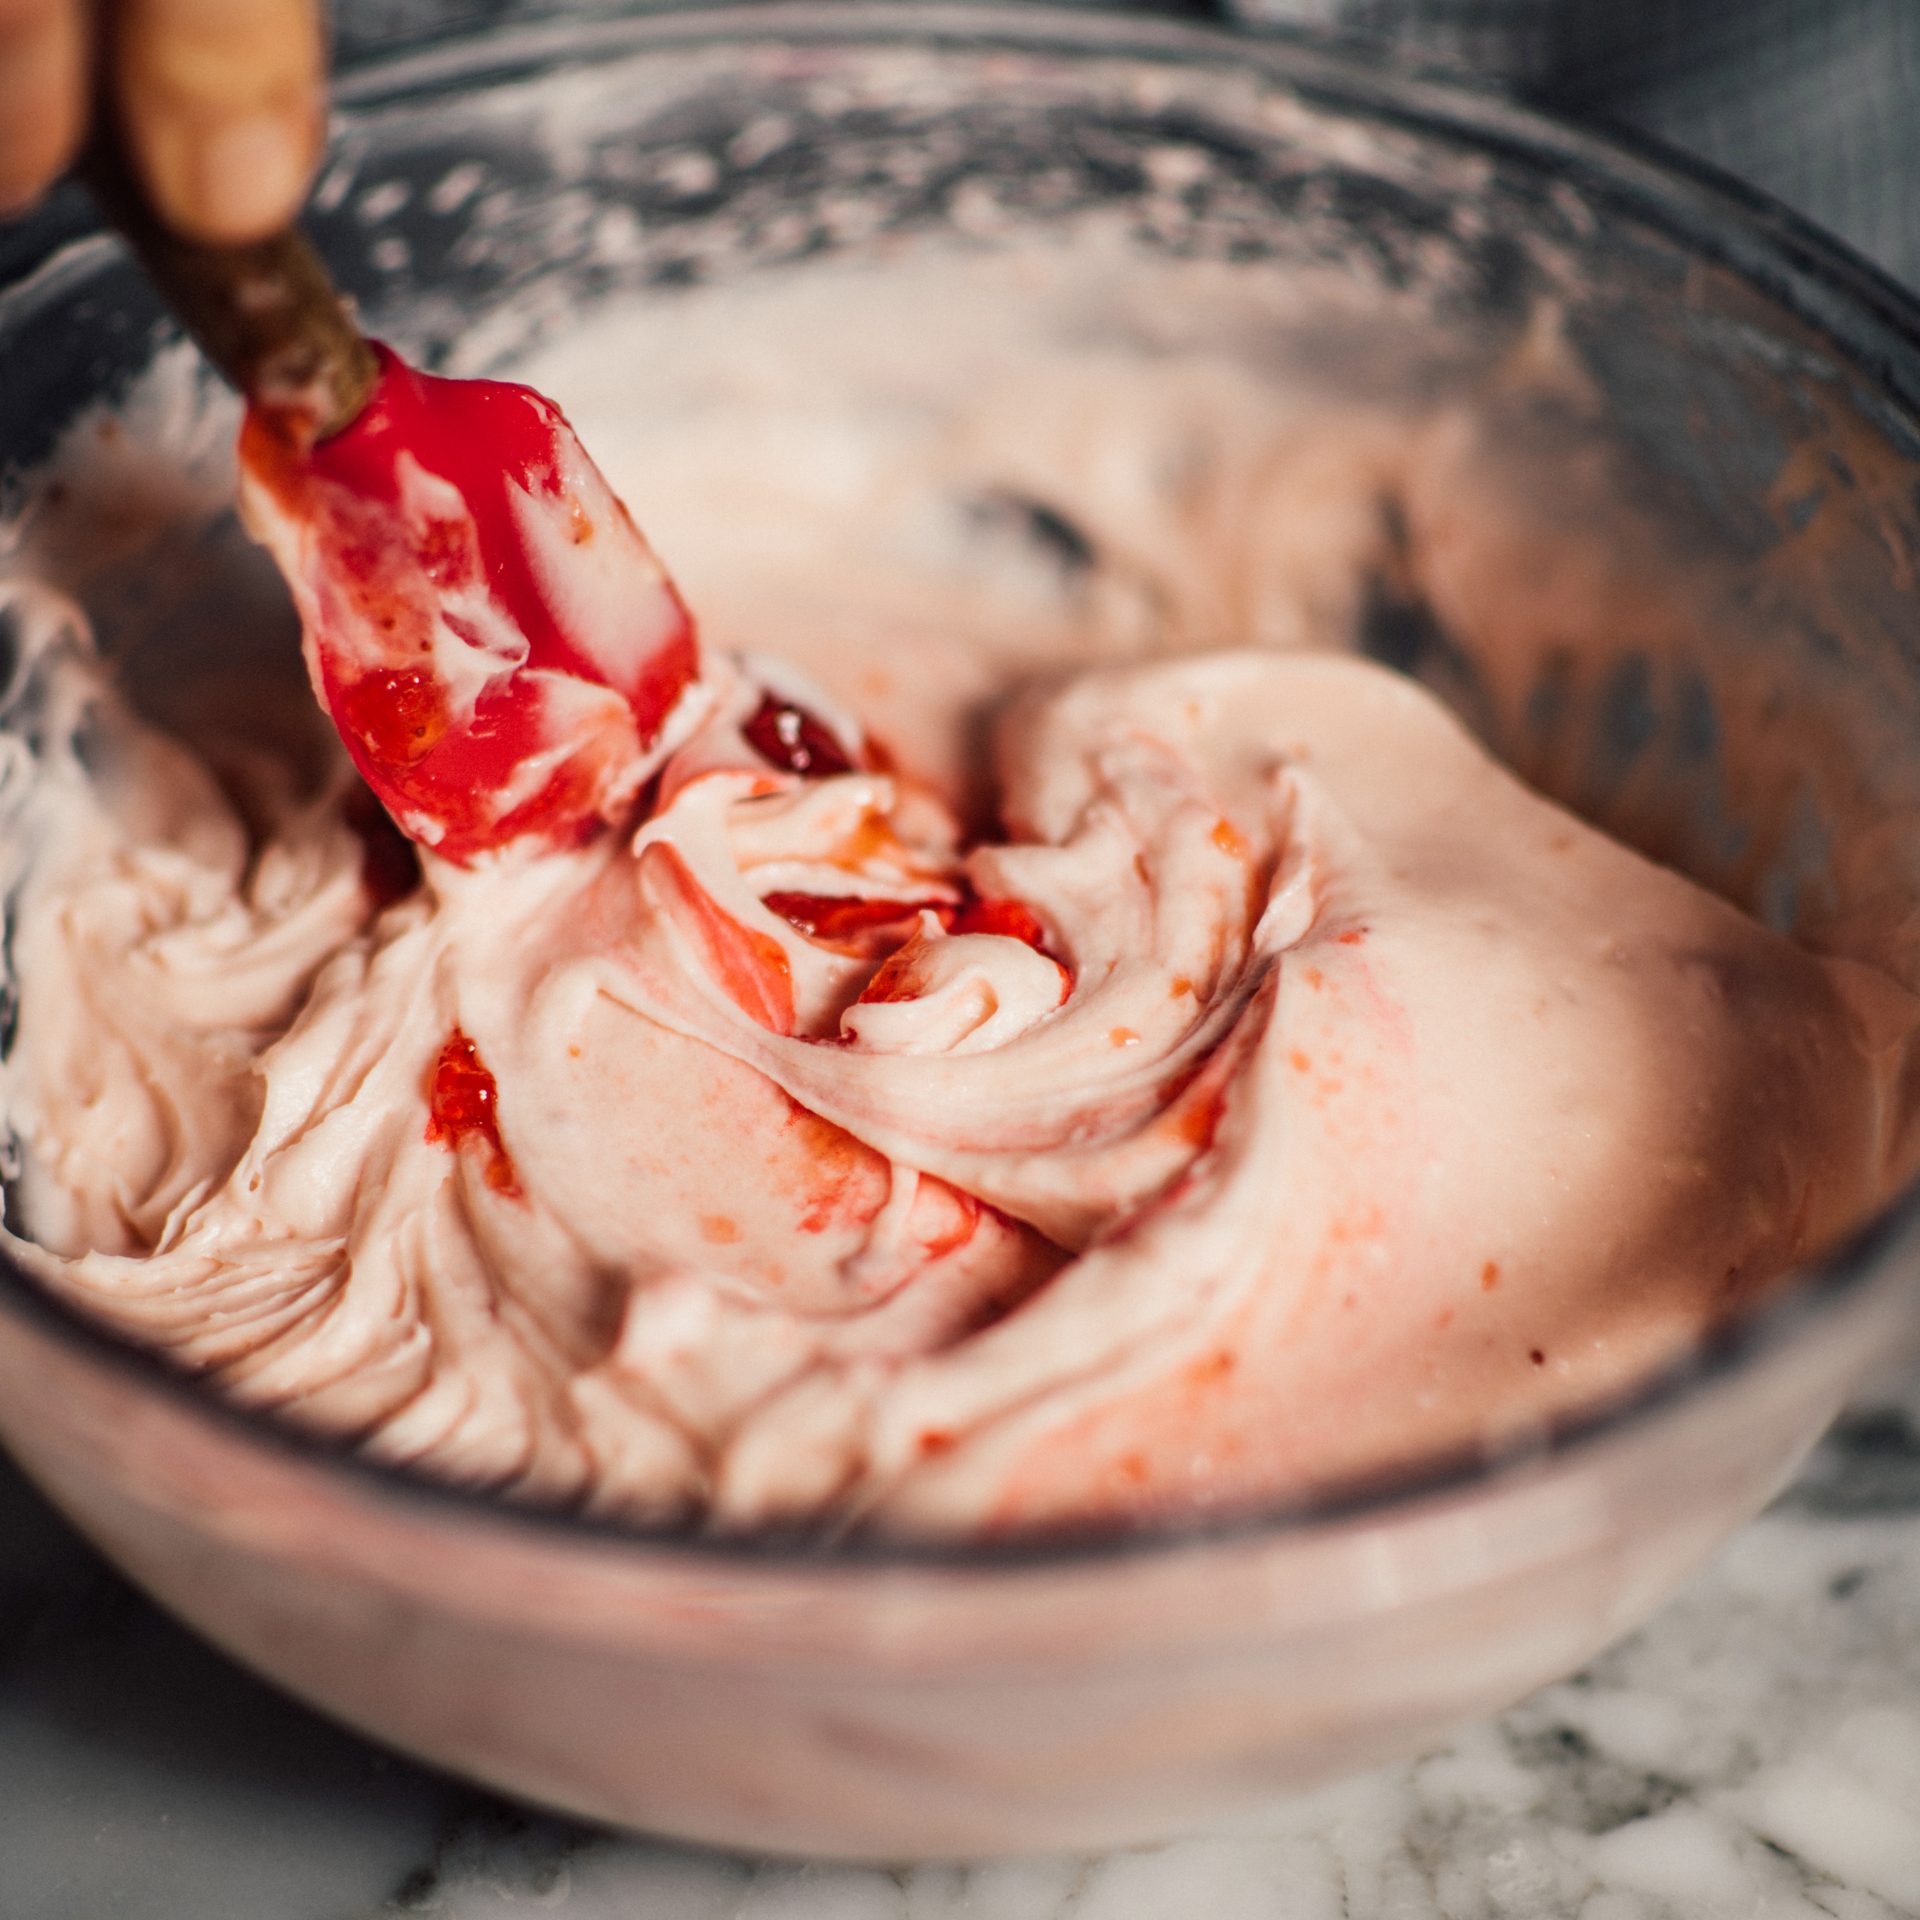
x,y
790,738
458,507
463,1104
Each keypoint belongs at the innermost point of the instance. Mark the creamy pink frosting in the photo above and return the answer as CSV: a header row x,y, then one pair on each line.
x,y
1359,1103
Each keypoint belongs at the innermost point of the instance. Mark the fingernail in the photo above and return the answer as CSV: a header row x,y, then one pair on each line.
x,y
237,179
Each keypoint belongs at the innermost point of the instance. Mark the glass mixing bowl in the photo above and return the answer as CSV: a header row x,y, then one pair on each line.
x,y
1682,444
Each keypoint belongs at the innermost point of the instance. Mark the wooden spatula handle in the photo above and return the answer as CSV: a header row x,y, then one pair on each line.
x,y
266,314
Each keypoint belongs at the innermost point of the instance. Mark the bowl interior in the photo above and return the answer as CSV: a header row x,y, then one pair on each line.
x,y
1145,334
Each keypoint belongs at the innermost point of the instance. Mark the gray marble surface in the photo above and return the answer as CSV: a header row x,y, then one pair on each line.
x,y
1753,1753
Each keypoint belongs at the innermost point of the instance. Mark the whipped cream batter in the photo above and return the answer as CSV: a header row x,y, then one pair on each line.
x,y
1256,1086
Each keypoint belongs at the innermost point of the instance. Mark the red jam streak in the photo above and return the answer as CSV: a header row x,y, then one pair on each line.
x,y
749,966
1010,919
383,554
842,919
790,738
901,976
464,1104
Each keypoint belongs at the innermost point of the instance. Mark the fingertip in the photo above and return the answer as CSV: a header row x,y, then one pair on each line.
x,y
231,179
43,94
26,176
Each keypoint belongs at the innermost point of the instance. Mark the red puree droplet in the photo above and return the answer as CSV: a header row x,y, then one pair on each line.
x,y
399,716
832,916
463,1102
790,738
389,862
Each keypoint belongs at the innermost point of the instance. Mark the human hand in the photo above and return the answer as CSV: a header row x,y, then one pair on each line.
x,y
219,102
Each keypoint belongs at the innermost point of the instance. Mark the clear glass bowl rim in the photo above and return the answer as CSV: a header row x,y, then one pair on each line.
x,y
1867,319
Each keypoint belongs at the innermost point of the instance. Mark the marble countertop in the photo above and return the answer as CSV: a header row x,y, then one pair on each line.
x,y
1754,1752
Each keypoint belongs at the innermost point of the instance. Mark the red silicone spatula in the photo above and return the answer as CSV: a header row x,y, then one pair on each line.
x,y
497,644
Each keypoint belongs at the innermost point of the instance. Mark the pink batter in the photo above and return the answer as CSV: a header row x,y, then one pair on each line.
x,y
1281,1093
